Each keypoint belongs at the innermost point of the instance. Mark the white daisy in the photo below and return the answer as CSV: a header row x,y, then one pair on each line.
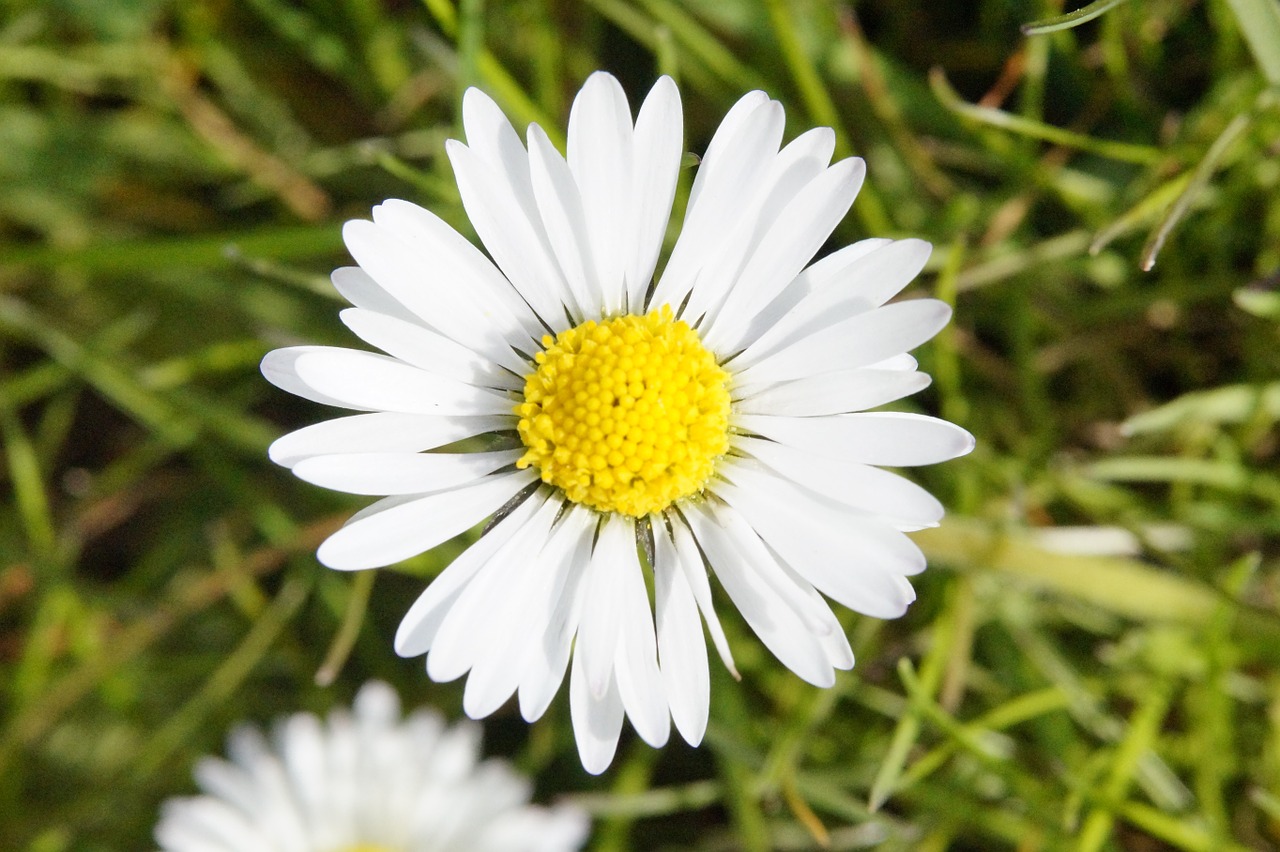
x,y
716,415
366,781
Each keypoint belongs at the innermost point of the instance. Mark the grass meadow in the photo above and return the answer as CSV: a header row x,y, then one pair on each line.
x,y
1093,661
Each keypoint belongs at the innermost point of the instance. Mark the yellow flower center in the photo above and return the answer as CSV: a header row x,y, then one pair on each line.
x,y
365,847
625,415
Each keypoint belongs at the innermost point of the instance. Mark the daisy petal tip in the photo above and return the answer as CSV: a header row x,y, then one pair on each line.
x,y
339,557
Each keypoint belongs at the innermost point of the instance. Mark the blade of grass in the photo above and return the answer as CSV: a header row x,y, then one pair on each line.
x,y
1260,25
1200,178
28,484
349,630
1126,152
1140,737
1070,19
822,109
228,676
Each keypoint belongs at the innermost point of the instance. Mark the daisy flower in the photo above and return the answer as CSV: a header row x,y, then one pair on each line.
x,y
711,418
364,781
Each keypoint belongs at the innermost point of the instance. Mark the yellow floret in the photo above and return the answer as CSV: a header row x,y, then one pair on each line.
x,y
625,415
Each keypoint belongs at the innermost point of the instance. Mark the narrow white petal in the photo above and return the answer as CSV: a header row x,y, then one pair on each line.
x,y
738,158
887,438
597,721
695,574
464,267
847,557
779,626
560,205
358,287
416,526
682,650
419,626
897,500
830,292
481,615
859,341
763,208
518,244
798,232
601,618
725,136
504,619
571,551
837,392
427,349
414,278
834,643
365,380
381,432
531,624
400,473
659,146
280,367
639,680
813,278
601,138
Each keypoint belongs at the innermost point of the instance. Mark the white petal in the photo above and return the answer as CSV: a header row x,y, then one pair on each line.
x,y
682,651
531,622
381,432
464,267
739,156
659,146
883,437
639,681
859,341
754,583
571,550
829,292
492,171
515,608
869,489
358,287
400,473
366,380
418,627
601,137
560,205
790,242
518,246
786,175
597,721
837,392
846,556
427,350
601,617
416,526
280,367
414,278
695,573
816,277
481,615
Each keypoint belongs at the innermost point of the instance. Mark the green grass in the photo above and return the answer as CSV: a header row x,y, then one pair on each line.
x,y
1103,203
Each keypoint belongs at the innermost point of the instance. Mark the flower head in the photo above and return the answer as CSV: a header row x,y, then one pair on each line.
x,y
717,414
366,781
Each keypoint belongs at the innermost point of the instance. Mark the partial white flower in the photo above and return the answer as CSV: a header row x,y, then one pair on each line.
x,y
367,781
717,414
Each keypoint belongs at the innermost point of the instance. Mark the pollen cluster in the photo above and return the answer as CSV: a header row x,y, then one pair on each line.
x,y
625,415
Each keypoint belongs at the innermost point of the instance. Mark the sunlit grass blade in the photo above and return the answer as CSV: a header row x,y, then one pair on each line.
x,y
1070,19
1123,151
1260,25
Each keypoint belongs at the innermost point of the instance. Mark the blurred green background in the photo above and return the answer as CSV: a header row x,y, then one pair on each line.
x,y
1094,659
